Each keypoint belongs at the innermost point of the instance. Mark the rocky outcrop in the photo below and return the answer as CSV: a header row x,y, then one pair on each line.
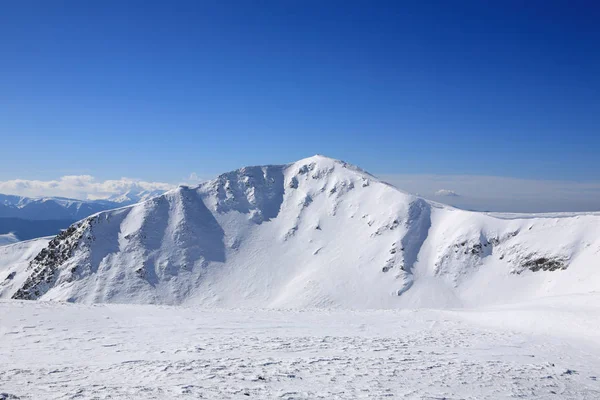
x,y
535,264
43,269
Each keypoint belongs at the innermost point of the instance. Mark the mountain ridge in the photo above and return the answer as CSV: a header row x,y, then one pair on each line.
x,y
318,232
26,217
52,207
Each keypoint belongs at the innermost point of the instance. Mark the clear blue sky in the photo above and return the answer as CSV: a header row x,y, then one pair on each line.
x,y
156,90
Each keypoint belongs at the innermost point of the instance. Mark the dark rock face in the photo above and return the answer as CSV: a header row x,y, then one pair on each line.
x,y
44,266
467,248
544,264
256,190
481,248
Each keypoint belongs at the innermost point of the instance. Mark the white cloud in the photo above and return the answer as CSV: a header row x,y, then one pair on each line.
x,y
79,187
482,193
493,193
446,193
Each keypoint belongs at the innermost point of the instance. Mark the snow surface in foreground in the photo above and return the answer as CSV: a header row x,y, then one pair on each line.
x,y
547,349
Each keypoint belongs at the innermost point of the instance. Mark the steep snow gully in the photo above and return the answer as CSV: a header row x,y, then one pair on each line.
x,y
315,233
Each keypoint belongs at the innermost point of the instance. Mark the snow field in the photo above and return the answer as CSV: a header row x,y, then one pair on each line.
x,y
538,350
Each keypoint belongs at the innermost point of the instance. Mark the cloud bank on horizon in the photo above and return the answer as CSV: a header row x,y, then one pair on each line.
x,y
84,187
472,192
502,194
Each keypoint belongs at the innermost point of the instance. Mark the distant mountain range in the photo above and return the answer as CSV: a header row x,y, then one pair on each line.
x,y
27,218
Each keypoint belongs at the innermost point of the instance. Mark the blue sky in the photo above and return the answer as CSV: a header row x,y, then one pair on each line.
x,y
157,90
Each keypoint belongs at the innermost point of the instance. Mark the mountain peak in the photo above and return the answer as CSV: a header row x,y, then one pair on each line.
x,y
319,158
318,232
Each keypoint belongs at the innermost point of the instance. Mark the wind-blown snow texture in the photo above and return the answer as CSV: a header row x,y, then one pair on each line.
x,y
8,238
538,350
315,233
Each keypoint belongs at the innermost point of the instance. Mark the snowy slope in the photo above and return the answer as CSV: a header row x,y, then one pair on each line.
x,y
472,258
538,350
315,233
134,196
14,260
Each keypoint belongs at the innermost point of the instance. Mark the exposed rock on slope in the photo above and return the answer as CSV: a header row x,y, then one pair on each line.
x,y
315,233
14,260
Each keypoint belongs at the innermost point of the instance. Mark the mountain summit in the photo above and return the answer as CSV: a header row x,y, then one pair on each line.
x,y
315,233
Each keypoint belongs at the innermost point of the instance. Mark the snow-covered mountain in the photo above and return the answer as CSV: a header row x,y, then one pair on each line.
x,y
133,196
314,233
14,261
55,208
23,218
